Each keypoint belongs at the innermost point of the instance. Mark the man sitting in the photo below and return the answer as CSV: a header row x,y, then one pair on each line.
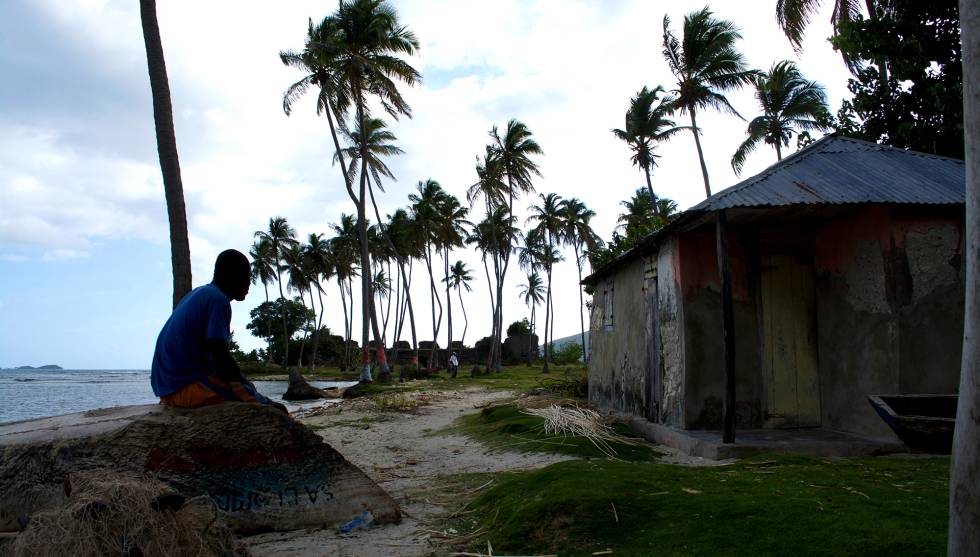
x,y
191,364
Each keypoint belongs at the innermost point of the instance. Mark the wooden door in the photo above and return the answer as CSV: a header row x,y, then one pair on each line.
x,y
789,342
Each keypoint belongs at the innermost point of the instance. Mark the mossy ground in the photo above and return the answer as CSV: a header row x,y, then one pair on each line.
x,y
761,506
636,506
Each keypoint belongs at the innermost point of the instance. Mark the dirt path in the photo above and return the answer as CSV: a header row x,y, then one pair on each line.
x,y
398,450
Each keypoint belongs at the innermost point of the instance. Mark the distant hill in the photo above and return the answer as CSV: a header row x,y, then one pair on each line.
x,y
49,366
576,338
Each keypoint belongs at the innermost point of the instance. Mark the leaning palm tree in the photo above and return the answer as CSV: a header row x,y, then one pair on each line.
x,y
578,232
280,236
647,124
294,262
514,149
705,63
460,278
789,104
264,271
368,39
354,54
533,294
163,121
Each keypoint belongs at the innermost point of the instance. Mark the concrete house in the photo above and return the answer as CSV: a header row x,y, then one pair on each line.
x,y
846,266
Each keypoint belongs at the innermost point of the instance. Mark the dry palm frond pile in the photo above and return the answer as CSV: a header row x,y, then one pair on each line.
x,y
583,422
108,514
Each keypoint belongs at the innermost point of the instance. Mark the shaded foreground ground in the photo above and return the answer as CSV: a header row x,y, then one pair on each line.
x,y
468,468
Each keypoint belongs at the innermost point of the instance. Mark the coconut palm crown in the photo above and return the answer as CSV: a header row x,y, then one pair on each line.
x,y
790,103
705,63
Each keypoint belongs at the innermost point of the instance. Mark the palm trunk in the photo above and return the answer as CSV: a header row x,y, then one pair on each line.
x,y
411,316
434,291
530,337
449,306
306,333
350,303
653,196
319,325
268,323
163,121
547,318
697,142
343,301
282,301
964,476
779,152
466,320
581,305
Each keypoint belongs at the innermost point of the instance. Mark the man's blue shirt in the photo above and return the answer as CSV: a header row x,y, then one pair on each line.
x,y
181,356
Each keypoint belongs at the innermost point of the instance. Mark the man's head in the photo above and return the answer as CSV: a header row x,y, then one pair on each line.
x,y
232,274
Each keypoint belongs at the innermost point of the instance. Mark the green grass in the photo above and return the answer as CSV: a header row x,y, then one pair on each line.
x,y
761,506
505,427
511,378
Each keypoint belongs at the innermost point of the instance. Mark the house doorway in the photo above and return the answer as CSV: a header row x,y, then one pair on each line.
x,y
789,342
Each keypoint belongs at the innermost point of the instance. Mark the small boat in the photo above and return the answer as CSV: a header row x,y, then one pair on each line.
x,y
923,422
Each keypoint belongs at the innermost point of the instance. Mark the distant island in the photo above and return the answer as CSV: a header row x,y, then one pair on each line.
x,y
49,366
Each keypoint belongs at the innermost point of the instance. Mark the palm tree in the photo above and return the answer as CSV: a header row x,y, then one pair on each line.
x,y
450,234
647,124
789,104
344,248
294,263
264,271
280,236
514,150
367,41
319,262
491,187
408,246
705,64
542,239
354,52
533,294
492,236
578,232
425,213
460,278
163,121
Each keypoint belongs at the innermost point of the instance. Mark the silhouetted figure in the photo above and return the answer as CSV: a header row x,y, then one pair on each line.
x,y
453,365
191,364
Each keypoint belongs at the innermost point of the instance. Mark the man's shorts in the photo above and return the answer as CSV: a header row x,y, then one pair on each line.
x,y
213,390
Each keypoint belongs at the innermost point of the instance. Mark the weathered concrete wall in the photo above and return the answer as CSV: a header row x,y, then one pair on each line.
x,y
618,361
671,322
889,309
702,319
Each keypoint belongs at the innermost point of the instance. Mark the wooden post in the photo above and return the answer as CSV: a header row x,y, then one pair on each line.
x,y
964,476
727,325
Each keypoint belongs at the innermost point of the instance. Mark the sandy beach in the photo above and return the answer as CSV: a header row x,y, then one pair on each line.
x,y
401,452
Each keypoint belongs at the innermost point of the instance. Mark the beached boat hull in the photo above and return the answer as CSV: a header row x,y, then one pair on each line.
x,y
923,422
264,470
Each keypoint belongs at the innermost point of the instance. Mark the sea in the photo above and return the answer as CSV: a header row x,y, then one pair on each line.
x,y
26,394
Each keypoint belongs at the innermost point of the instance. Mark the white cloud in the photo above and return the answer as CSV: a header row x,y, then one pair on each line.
x,y
567,69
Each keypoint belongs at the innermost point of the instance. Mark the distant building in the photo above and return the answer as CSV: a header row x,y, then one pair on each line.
x,y
847,272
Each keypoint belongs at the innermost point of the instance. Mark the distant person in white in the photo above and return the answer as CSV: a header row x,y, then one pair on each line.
x,y
453,365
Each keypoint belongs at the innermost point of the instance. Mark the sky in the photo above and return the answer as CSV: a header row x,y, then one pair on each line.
x,y
85,278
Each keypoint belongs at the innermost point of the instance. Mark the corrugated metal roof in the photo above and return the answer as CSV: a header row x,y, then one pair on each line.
x,y
833,171
839,170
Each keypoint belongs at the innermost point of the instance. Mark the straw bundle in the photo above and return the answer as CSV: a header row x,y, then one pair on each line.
x,y
578,421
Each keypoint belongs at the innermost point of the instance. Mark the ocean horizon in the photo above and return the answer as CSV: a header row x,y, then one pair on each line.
x,y
27,394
